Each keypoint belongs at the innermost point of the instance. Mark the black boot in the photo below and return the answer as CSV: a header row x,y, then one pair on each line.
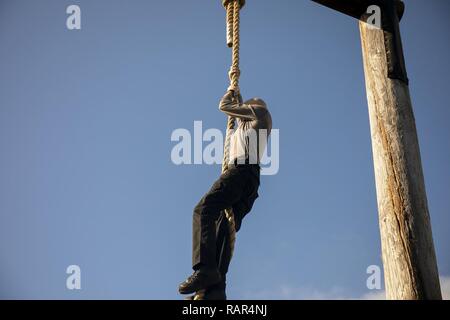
x,y
201,279
215,292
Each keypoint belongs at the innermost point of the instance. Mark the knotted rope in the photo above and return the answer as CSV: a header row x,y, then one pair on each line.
x,y
233,8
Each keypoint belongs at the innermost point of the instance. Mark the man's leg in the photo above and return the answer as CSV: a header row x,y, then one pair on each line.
x,y
223,258
226,191
223,240
223,250
240,209
223,253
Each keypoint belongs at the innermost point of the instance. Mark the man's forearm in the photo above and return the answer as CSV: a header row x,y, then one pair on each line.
x,y
234,108
226,103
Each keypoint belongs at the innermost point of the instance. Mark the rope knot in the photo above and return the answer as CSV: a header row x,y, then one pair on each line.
x,y
234,74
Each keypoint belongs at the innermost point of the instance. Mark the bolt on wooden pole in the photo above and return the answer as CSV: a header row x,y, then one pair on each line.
x,y
409,260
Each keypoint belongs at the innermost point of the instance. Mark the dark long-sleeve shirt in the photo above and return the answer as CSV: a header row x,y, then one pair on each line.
x,y
254,124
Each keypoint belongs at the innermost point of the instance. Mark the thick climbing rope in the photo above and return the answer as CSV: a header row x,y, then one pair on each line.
x,y
233,25
230,17
233,8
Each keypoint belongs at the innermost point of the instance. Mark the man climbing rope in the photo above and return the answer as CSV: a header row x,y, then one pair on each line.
x,y
236,188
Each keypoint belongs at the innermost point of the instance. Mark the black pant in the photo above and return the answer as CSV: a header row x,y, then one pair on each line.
x,y
237,188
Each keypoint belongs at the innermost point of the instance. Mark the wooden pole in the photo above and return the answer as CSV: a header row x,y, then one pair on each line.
x,y
409,259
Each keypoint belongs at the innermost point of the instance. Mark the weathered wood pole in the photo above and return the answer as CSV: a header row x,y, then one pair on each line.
x,y
409,259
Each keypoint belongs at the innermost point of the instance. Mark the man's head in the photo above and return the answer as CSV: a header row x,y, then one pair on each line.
x,y
256,101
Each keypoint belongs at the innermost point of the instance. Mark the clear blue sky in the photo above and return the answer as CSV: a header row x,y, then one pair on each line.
x,y
85,124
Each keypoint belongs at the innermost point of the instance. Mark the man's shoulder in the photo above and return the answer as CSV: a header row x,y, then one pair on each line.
x,y
262,113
